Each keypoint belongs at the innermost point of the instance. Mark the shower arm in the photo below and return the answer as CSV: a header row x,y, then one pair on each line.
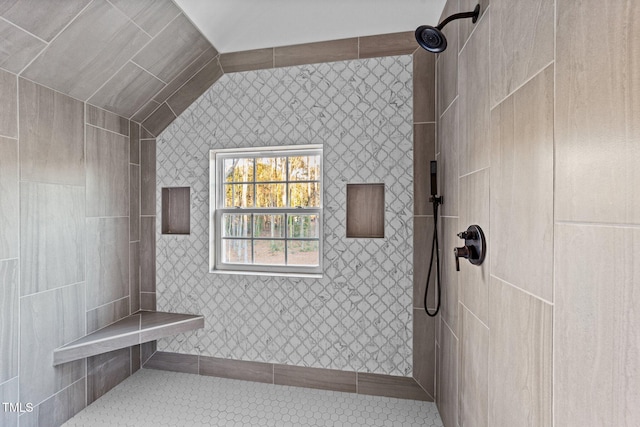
x,y
473,14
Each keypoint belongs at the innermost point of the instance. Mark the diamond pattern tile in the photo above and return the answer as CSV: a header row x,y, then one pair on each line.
x,y
358,317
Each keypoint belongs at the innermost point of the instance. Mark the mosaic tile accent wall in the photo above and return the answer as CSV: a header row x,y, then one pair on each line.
x,y
358,316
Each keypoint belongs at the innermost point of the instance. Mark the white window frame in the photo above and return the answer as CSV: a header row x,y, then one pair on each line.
x,y
217,209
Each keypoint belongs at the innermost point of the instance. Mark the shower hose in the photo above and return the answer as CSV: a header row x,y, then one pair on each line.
x,y
435,250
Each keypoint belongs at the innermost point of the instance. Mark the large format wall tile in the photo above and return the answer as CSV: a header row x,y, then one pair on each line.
x,y
424,350
9,393
134,203
522,157
159,119
522,43
447,378
597,109
107,260
597,326
187,73
107,314
8,105
9,306
424,150
107,120
467,25
49,320
474,370
51,136
9,199
44,20
107,173
447,65
148,177
474,279
195,87
172,50
424,84
134,276
448,137
150,15
313,53
449,276
474,87
147,254
18,47
422,240
127,91
134,143
88,52
105,371
52,236
56,410
520,367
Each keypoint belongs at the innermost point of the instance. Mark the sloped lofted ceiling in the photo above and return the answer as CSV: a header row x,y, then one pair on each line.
x,y
130,57
119,55
239,25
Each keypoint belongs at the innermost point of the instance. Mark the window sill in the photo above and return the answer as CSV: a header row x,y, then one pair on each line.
x,y
264,273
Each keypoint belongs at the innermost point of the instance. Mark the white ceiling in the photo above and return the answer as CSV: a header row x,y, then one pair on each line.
x,y
236,25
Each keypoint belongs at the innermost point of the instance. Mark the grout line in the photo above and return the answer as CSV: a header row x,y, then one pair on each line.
x,y
10,379
55,37
553,240
448,327
424,123
188,80
65,388
9,137
171,109
449,106
473,314
525,83
50,88
24,181
104,305
476,25
471,173
107,130
190,77
17,258
522,290
141,108
54,289
598,224
106,217
129,19
26,31
424,389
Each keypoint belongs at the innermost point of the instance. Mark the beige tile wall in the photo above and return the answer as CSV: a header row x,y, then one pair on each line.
x,y
65,266
542,154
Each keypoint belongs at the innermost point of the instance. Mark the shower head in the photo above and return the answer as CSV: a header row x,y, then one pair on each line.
x,y
432,39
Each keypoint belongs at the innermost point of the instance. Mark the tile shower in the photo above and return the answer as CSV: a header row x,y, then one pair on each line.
x,y
540,335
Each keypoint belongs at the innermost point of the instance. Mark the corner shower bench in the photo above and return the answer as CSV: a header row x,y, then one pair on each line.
x,y
138,328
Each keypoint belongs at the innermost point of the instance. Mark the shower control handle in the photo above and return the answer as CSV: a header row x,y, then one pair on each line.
x,y
475,247
462,252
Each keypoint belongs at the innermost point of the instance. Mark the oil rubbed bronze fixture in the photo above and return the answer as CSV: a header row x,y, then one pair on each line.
x,y
475,246
432,39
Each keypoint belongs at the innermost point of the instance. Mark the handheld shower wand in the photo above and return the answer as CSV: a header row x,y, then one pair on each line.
x,y
435,249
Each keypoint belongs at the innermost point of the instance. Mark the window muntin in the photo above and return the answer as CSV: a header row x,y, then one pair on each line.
x,y
267,210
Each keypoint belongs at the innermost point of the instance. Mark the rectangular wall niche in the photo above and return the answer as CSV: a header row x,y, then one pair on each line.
x,y
176,210
365,210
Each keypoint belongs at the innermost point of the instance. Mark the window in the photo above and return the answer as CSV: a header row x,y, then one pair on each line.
x,y
267,210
